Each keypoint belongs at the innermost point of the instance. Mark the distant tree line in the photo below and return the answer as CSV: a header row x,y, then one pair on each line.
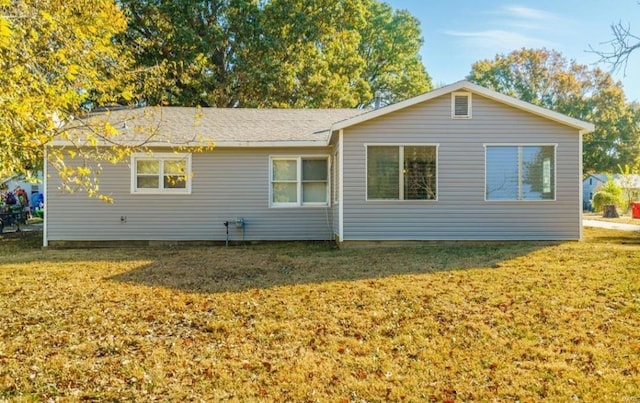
x,y
276,53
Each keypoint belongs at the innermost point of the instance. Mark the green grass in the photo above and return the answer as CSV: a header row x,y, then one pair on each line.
x,y
307,322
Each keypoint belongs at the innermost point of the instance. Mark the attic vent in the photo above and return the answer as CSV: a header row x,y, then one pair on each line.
x,y
461,105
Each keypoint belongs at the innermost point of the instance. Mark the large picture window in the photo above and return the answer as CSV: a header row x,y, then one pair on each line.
x,y
520,172
299,181
406,172
161,173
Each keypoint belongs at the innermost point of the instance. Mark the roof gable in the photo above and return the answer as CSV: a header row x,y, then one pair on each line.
x,y
583,127
599,177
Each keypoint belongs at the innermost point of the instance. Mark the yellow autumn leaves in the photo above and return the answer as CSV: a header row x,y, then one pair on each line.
x,y
55,58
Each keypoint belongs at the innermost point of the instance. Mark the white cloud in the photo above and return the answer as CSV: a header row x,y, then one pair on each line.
x,y
499,40
529,18
528,13
515,27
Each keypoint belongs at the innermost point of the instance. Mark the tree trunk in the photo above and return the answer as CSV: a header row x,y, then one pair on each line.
x,y
610,211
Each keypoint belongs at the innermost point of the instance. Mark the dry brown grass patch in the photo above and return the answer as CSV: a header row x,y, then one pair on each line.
x,y
307,322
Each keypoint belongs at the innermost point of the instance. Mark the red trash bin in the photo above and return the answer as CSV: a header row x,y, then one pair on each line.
x,y
635,210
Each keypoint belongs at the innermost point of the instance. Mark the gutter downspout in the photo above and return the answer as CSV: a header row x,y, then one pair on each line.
x,y
341,185
45,223
580,192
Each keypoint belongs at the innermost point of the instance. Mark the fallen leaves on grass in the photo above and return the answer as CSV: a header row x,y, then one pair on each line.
x,y
306,322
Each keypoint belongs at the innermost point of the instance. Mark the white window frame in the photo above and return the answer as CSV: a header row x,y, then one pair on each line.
x,y
160,157
299,180
453,105
401,174
519,145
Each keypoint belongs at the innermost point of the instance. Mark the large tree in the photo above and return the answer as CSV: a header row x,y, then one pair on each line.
x,y
54,56
195,45
390,44
545,78
308,55
275,53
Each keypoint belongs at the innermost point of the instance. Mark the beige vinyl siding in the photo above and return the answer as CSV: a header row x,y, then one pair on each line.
x,y
227,183
461,212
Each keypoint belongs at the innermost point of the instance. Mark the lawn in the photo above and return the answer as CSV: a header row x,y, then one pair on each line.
x,y
516,321
625,218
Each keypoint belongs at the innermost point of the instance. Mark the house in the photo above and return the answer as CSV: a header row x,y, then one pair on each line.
x,y
593,182
458,163
630,184
590,185
32,188
18,181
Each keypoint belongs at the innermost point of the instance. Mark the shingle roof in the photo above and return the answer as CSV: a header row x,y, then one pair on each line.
x,y
235,126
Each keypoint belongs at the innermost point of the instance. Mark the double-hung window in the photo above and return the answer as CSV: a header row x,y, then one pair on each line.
x,y
407,172
520,172
299,181
161,173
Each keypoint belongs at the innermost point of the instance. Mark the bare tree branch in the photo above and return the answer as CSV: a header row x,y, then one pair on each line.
x,y
621,46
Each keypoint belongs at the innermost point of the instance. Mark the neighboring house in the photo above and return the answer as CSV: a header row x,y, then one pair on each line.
x,y
33,189
18,181
593,182
629,184
590,185
458,163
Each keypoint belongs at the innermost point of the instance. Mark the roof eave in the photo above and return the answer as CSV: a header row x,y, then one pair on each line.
x,y
222,144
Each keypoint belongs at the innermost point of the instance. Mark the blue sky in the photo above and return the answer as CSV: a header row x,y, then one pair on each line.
x,y
459,32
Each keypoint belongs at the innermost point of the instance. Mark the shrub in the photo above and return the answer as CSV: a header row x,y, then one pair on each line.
x,y
612,187
610,193
600,199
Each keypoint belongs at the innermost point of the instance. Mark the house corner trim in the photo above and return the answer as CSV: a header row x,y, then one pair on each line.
x,y
341,185
45,183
